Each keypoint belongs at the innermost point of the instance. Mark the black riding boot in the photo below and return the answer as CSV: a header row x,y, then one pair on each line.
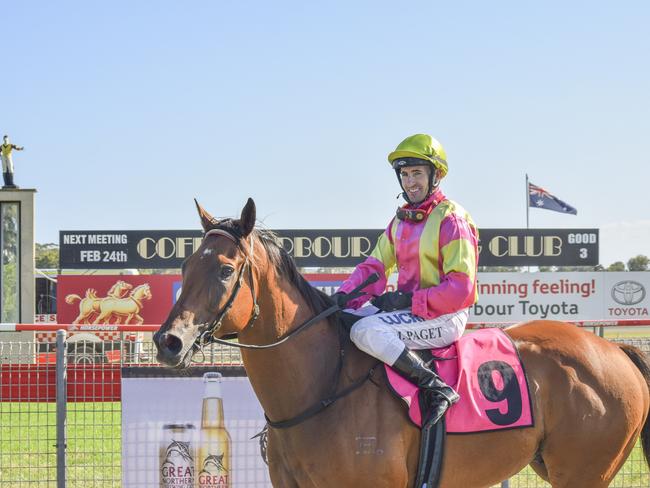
x,y
440,395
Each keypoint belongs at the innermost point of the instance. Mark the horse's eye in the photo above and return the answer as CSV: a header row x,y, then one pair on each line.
x,y
226,272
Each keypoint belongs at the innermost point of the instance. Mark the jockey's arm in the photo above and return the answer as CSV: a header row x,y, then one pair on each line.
x,y
457,288
380,261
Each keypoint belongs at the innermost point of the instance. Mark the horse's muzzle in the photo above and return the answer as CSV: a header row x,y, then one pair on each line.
x,y
170,348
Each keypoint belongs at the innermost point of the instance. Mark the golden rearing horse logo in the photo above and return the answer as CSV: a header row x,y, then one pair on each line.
x,y
122,305
89,306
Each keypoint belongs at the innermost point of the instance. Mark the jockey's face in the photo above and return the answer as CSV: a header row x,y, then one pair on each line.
x,y
415,180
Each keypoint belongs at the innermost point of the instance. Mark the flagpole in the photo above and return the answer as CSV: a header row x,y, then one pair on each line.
x,y
527,202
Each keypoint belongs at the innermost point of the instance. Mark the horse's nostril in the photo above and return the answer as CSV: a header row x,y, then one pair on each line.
x,y
171,343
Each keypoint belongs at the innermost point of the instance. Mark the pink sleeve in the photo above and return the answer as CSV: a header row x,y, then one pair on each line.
x,y
380,261
454,293
359,275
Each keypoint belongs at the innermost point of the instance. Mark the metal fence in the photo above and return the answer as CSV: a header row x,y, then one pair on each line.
x,y
35,453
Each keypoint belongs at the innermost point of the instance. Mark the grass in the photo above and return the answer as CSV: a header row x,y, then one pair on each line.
x,y
634,474
28,455
28,439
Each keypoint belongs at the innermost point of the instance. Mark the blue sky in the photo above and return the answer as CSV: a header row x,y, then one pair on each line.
x,y
128,110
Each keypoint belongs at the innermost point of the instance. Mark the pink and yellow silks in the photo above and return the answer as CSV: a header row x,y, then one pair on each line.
x,y
436,259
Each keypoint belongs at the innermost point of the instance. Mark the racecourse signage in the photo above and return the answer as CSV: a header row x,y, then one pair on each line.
x,y
518,297
538,247
321,248
503,297
514,297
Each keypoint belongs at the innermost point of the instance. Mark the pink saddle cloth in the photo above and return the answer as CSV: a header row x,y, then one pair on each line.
x,y
485,369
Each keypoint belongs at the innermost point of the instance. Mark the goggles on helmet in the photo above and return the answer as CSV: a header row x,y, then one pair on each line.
x,y
405,162
411,214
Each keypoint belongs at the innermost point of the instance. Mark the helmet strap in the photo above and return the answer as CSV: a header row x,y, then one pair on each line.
x,y
404,194
434,180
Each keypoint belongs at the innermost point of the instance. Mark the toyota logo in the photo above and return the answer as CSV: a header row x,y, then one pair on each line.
x,y
628,292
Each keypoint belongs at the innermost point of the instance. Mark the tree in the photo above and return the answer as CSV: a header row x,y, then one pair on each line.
x,y
47,255
581,269
617,266
638,263
9,305
499,269
9,233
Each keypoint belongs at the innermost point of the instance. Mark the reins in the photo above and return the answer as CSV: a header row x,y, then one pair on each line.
x,y
317,318
333,396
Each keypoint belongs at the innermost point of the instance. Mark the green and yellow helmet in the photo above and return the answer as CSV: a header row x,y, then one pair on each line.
x,y
419,147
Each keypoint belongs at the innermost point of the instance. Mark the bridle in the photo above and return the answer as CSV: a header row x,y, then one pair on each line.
x,y
211,328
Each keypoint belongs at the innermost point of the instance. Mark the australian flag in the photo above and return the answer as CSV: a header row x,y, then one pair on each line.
x,y
540,198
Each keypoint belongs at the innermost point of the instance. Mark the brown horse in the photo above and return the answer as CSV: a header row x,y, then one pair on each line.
x,y
590,397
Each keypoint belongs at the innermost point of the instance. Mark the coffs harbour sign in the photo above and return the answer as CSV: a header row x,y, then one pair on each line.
x,y
320,248
168,249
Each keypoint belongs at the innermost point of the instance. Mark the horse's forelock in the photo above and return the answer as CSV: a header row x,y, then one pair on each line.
x,y
230,226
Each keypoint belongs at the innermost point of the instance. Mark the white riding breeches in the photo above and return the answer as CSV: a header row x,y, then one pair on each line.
x,y
385,335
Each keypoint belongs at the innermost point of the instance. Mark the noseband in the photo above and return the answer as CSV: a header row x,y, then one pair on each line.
x,y
211,328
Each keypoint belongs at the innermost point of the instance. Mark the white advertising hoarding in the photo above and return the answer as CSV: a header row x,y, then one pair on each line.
x,y
517,297
163,431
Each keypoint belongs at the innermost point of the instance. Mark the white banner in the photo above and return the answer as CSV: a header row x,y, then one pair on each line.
x,y
517,297
164,434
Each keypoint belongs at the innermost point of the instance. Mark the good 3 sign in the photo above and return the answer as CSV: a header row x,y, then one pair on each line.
x,y
321,248
515,297
538,247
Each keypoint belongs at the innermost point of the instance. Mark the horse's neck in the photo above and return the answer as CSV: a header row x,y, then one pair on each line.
x,y
289,378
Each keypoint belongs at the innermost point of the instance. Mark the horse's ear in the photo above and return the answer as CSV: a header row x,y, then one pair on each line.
x,y
208,222
247,219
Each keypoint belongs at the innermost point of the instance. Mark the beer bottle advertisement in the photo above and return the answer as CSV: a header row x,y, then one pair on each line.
x,y
177,456
213,460
191,429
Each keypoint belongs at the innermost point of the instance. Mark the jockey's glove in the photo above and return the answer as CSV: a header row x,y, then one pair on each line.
x,y
341,299
393,300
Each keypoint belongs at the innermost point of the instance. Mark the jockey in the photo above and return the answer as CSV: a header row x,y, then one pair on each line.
x,y
433,243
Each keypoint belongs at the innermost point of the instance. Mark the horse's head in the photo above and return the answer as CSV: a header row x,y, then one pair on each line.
x,y
210,303
119,289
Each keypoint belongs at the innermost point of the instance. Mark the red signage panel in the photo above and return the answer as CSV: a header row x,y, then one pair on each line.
x,y
116,299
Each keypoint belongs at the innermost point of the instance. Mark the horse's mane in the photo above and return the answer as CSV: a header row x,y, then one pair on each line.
x,y
286,267
284,264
